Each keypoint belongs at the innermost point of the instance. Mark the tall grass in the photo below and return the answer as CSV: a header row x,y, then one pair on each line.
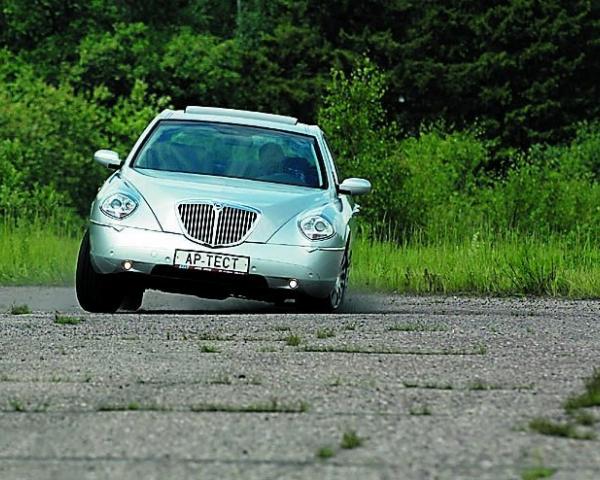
x,y
37,252
511,265
44,253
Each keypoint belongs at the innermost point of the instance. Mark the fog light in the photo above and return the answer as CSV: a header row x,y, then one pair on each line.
x,y
127,264
293,284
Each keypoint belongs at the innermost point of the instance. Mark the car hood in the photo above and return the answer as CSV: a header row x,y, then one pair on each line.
x,y
277,203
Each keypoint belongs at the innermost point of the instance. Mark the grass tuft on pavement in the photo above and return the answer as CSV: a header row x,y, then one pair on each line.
x,y
325,452
575,426
19,310
67,320
590,397
205,348
293,340
273,406
546,426
350,440
357,349
536,473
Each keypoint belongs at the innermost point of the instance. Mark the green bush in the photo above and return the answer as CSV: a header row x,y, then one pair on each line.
x,y
436,185
353,119
353,115
20,202
549,189
48,135
443,173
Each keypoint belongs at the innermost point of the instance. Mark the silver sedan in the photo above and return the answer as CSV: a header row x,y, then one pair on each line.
x,y
216,203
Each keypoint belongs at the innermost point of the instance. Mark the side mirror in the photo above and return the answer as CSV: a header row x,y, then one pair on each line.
x,y
108,158
355,186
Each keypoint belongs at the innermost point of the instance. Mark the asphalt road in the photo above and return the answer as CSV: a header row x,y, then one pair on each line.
x,y
434,387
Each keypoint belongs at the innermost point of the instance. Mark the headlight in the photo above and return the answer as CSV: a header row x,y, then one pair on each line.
x,y
118,206
316,227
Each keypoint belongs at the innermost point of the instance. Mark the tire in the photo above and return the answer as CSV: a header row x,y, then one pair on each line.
x,y
133,300
96,292
334,300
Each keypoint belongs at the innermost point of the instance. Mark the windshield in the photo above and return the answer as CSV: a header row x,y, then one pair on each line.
x,y
235,151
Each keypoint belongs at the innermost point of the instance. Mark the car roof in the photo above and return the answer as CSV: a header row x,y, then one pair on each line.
x,y
240,117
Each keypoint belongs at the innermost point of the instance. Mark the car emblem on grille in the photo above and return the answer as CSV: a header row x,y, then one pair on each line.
x,y
218,206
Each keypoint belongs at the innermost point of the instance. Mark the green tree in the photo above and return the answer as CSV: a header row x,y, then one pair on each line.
x,y
353,118
200,69
115,59
525,69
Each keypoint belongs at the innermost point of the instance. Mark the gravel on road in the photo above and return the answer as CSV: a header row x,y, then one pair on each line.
x,y
394,387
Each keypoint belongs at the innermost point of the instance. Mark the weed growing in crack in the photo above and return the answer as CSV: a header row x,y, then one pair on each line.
x,y
480,385
221,379
538,472
421,410
325,333
67,320
480,350
16,405
325,452
546,426
293,340
350,440
132,406
209,349
590,397
273,406
19,309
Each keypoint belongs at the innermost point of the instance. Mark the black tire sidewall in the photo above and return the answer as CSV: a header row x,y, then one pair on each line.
x,y
96,292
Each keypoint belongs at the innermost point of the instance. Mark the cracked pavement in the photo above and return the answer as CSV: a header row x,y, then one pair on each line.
x,y
435,387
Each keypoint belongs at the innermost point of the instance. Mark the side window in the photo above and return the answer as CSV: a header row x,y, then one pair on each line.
x,y
333,167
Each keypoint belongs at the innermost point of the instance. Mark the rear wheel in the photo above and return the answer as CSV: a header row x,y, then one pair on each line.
x,y
95,292
335,298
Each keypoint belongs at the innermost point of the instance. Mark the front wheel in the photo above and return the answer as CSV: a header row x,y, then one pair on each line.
x,y
96,292
335,298
133,299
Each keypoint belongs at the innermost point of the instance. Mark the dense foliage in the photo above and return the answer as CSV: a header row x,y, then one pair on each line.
x,y
469,116
48,133
525,70
438,184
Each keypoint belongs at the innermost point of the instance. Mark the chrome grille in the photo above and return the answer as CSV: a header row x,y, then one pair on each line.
x,y
215,224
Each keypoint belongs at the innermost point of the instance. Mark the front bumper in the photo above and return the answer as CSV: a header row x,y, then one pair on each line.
x,y
152,254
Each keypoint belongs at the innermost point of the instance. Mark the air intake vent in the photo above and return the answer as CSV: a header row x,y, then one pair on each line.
x,y
216,224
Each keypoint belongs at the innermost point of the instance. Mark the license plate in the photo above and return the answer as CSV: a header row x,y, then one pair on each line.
x,y
211,261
